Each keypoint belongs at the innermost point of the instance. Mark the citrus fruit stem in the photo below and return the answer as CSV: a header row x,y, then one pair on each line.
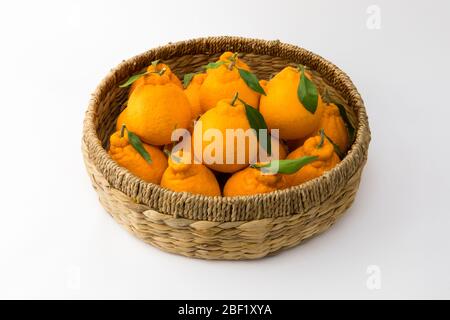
x,y
234,98
122,130
233,61
161,72
322,138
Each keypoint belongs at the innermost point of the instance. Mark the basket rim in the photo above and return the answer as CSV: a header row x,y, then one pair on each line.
x,y
309,194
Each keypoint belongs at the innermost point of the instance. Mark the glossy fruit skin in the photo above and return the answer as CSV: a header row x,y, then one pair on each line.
x,y
158,104
327,160
121,119
222,83
190,177
193,94
334,126
252,181
155,110
148,79
126,156
222,117
282,108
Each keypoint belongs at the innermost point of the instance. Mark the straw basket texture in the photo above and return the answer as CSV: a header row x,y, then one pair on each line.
x,y
233,228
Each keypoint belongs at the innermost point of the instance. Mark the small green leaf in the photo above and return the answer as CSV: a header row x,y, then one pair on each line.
x,y
214,65
251,80
286,166
155,63
187,79
307,92
134,140
256,121
133,79
335,146
350,128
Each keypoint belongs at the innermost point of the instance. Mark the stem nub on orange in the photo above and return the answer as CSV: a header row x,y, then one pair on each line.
x,y
151,70
126,155
190,177
282,108
223,82
217,120
155,109
315,146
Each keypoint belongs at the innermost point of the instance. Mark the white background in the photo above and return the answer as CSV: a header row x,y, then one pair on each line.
x,y
57,242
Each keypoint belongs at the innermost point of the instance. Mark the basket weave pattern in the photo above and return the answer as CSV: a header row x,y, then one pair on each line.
x,y
245,227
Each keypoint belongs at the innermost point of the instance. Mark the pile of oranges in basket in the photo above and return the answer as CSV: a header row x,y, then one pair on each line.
x,y
222,131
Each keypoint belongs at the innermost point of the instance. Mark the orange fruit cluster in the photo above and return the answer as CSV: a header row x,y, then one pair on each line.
x,y
214,106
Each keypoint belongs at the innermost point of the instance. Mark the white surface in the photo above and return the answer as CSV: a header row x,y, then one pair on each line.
x,y
57,242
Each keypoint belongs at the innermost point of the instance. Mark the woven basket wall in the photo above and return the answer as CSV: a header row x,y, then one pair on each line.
x,y
245,227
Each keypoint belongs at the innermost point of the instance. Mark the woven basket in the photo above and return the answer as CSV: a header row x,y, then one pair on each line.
x,y
246,227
